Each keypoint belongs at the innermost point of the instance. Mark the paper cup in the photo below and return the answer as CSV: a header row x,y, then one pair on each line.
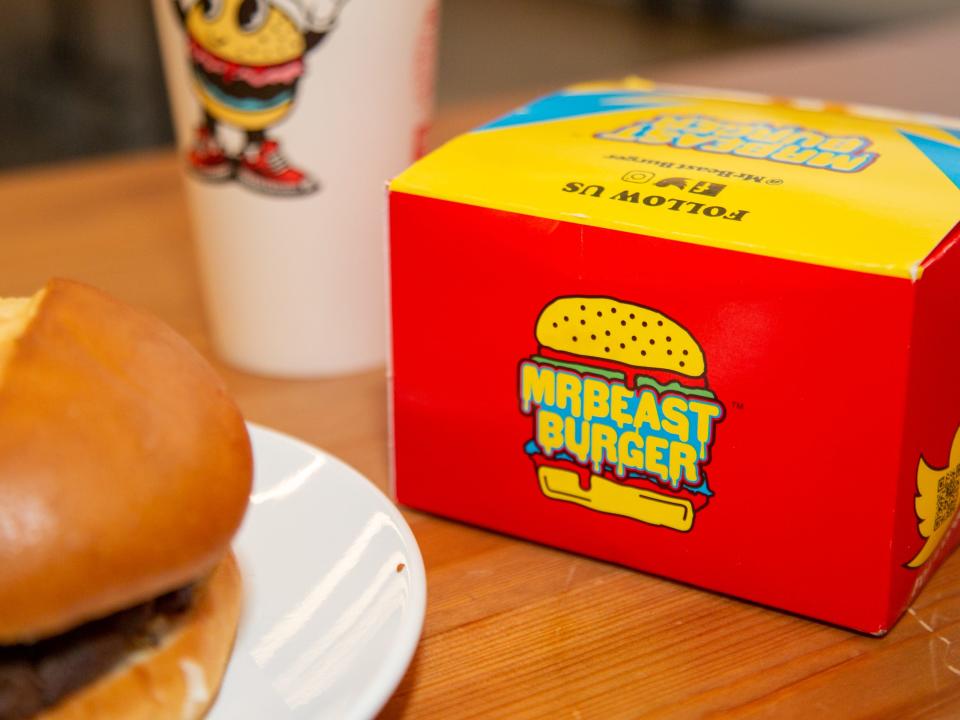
x,y
290,117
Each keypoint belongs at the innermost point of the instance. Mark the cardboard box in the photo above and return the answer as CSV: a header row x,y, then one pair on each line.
x,y
710,336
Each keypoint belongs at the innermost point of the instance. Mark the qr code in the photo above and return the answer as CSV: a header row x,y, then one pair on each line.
x,y
947,497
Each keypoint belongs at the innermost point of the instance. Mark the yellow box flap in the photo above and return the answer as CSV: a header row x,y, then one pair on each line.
x,y
852,187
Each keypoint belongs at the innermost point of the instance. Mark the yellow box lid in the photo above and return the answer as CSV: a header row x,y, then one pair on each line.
x,y
852,187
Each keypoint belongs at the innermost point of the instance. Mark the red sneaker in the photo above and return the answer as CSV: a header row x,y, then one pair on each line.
x,y
207,159
262,167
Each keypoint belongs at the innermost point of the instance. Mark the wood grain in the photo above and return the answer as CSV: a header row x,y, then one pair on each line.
x,y
513,630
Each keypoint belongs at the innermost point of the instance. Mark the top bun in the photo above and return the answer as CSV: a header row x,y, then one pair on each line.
x,y
601,327
125,468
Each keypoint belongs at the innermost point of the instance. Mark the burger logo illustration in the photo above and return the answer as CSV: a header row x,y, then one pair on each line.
x,y
247,57
623,419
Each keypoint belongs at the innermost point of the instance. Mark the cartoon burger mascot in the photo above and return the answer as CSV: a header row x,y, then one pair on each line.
x,y
247,57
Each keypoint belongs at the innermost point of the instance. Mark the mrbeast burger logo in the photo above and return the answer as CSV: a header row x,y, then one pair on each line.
x,y
623,419
788,144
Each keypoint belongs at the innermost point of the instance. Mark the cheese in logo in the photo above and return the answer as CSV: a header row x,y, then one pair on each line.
x,y
623,420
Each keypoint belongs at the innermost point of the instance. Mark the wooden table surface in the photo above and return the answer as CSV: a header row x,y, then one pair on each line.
x,y
512,629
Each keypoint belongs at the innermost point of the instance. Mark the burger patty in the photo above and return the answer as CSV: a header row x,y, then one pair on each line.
x,y
240,89
39,675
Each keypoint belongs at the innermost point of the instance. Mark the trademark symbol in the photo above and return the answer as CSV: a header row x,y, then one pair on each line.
x,y
736,405
774,181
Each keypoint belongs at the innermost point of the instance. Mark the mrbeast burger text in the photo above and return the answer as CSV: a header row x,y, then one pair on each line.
x,y
623,418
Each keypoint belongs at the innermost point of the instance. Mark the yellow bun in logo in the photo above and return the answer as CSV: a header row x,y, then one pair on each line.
x,y
623,332
938,491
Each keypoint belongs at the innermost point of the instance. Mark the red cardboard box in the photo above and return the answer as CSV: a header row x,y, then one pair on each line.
x,y
713,338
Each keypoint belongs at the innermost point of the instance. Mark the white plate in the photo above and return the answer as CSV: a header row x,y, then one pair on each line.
x,y
334,591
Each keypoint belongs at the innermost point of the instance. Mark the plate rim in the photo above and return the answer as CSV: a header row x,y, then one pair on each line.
x,y
387,677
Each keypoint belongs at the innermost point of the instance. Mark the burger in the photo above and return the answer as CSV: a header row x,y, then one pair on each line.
x,y
247,56
639,351
243,94
125,471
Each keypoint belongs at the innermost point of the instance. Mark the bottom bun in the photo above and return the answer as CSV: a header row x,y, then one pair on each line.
x,y
180,678
614,498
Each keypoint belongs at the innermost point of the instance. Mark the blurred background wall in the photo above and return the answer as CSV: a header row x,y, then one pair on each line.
x,y
82,77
